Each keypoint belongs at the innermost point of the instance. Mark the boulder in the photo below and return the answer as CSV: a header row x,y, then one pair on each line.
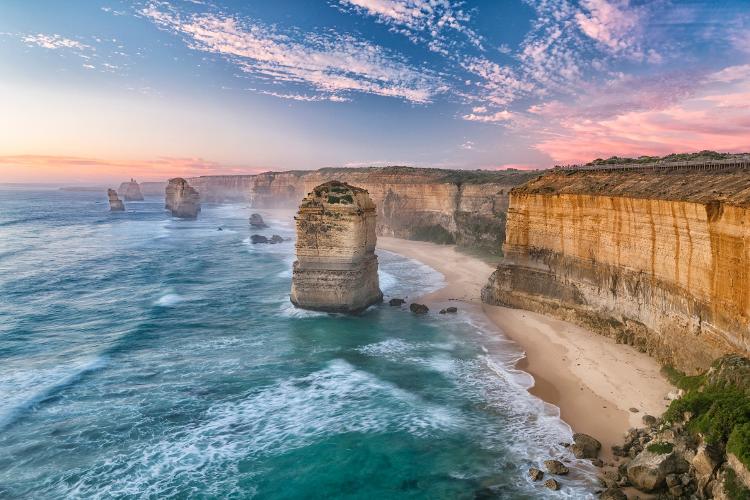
x,y
257,238
585,446
705,462
649,420
451,310
418,308
649,470
613,494
556,467
396,302
552,484
535,474
256,221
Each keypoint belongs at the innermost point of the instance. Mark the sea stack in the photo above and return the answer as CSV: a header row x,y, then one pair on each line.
x,y
115,203
131,191
336,268
182,199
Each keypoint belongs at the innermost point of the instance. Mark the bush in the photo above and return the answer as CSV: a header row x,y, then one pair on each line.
x,y
739,443
734,487
346,198
332,200
715,412
684,382
660,448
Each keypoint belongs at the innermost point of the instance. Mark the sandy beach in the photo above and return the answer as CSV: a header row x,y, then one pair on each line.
x,y
594,381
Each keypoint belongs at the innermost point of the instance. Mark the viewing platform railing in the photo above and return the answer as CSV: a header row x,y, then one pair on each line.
x,y
743,162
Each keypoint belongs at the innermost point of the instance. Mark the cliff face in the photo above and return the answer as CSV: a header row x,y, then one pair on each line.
x,y
152,188
130,191
182,199
115,203
658,260
445,206
336,268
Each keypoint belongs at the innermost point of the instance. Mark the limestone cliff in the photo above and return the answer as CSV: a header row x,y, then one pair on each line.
x,y
182,199
152,188
444,206
336,268
115,203
130,191
659,260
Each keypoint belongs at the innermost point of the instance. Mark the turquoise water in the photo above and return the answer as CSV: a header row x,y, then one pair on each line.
x,y
147,357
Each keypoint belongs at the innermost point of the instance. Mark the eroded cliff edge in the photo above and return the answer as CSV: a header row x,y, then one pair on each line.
x,y
336,268
656,259
443,206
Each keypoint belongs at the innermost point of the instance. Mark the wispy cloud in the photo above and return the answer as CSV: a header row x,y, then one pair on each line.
x,y
422,21
330,63
53,42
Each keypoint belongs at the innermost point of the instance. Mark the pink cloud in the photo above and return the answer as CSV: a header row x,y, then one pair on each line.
x,y
71,169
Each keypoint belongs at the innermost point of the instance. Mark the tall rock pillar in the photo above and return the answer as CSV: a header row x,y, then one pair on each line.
x,y
182,199
336,268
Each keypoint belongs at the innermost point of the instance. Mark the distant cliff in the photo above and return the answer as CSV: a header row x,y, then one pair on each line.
x,y
656,259
444,206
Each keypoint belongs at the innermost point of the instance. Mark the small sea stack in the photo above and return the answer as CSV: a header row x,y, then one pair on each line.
x,y
256,221
336,268
131,191
115,203
182,199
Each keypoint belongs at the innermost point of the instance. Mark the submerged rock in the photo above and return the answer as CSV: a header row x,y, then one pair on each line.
x,y
396,302
256,221
131,191
535,474
613,494
181,199
257,238
115,203
336,268
276,239
552,484
418,308
556,467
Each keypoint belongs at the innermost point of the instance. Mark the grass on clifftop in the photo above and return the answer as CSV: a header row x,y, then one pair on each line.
x,y
704,155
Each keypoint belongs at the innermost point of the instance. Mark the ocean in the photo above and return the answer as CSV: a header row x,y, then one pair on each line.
x,y
143,356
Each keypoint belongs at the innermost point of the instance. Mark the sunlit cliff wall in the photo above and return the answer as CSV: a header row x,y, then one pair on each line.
x,y
657,260
445,206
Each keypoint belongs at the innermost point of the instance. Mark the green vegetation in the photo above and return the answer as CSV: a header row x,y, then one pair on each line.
x,y
739,442
660,448
682,381
333,199
347,198
435,233
700,156
719,409
734,488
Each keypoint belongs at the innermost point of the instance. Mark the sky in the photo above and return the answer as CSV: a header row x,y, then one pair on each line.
x,y
104,90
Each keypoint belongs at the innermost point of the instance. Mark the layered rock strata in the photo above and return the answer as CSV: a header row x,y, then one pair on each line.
x,y
336,268
115,203
131,191
182,199
443,206
658,260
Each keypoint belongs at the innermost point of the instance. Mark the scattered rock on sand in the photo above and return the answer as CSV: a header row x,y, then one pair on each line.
x,y
451,310
613,494
552,484
535,474
418,308
556,467
256,221
649,420
634,410
396,302
585,446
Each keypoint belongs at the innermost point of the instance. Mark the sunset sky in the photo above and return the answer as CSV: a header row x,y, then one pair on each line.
x,y
97,91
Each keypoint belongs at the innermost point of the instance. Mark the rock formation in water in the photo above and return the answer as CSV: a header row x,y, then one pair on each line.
x,y
256,221
115,203
443,206
181,199
658,259
336,268
130,191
